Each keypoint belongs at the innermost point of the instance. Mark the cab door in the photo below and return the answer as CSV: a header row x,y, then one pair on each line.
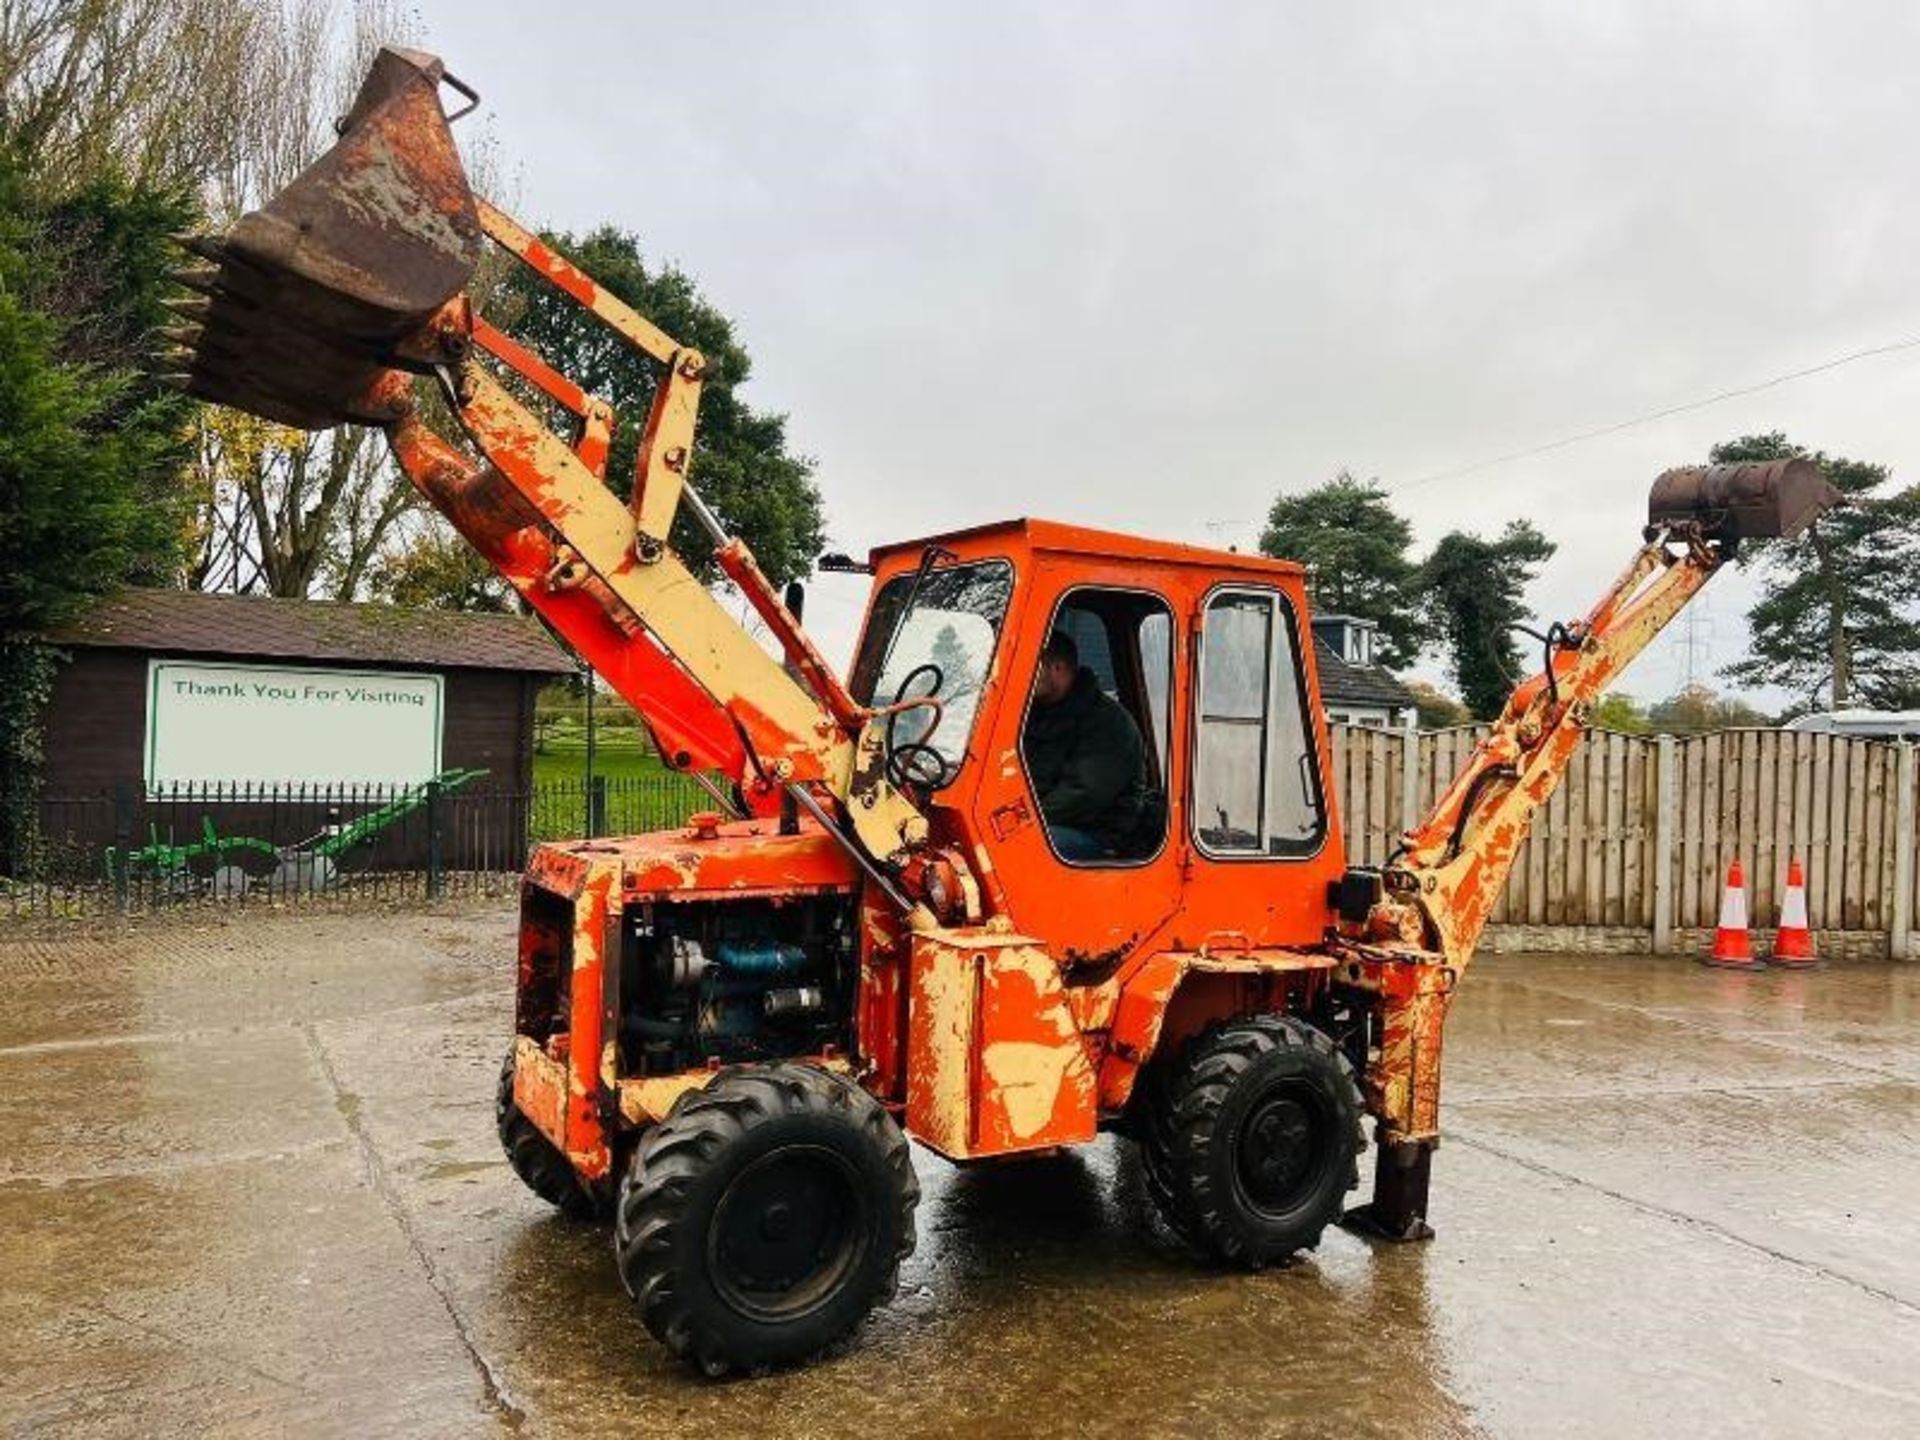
x,y
1127,628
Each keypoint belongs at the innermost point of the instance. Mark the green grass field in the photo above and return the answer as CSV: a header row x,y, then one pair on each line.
x,y
619,755
641,793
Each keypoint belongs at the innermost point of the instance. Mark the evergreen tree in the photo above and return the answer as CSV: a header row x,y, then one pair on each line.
x,y
90,451
1475,590
1354,546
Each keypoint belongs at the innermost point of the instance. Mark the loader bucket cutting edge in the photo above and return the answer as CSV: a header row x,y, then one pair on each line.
x,y
1775,499
309,294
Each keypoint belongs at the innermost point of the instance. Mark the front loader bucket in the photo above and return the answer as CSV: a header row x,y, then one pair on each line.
x,y
307,297
1761,501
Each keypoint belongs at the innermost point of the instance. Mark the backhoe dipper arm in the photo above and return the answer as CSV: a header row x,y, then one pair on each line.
x,y
1440,890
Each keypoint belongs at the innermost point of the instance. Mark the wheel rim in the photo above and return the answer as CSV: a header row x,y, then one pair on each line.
x,y
1282,1148
787,1233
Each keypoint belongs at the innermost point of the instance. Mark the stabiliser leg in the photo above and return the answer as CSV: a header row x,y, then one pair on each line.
x,y
1398,1210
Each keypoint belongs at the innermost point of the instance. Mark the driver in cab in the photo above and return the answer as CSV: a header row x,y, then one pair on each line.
x,y
1085,756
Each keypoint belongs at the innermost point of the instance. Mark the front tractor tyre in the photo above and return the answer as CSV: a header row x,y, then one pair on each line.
x,y
538,1161
765,1216
1252,1138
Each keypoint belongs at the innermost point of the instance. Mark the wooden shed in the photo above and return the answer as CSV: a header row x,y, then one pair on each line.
x,y
168,692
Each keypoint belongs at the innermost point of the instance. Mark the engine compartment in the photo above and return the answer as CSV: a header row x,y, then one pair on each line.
x,y
734,980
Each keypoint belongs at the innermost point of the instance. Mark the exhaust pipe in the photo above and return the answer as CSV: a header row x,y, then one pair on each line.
x,y
1774,499
300,306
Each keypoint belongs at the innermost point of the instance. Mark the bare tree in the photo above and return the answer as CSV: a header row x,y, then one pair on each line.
x,y
298,514
149,88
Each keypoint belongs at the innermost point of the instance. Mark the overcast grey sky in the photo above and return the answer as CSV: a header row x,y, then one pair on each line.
x,y
1142,266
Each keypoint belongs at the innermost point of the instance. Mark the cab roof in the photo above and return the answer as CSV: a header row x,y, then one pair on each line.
x,y
1054,536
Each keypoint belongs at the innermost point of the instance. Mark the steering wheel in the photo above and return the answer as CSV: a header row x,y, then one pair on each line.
x,y
915,762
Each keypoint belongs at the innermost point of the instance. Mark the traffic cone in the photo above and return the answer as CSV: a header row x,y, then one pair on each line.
x,y
1793,942
1732,948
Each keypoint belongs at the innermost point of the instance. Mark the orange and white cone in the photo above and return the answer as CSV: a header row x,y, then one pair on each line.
x,y
1793,942
1732,946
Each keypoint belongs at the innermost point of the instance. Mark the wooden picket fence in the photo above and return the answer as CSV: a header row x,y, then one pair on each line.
x,y
1640,833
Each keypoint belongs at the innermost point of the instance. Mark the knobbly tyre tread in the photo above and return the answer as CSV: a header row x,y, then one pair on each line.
x,y
1155,1160
1181,1111
658,1192
540,1166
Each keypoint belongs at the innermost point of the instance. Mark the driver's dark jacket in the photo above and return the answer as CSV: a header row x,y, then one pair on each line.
x,y
1087,763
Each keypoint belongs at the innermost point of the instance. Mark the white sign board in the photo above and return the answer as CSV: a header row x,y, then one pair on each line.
x,y
270,725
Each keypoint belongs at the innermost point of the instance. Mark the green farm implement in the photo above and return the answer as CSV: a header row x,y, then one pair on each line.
x,y
229,865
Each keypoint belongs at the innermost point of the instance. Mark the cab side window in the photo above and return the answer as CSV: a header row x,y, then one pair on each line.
x,y
1123,640
1256,786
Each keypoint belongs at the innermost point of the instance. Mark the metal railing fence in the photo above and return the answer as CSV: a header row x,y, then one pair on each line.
x,y
129,849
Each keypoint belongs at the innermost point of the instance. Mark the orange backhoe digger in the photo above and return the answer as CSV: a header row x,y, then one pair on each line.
x,y
724,1033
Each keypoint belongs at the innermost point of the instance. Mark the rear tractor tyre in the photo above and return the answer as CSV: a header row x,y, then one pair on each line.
x,y
538,1162
765,1216
1252,1138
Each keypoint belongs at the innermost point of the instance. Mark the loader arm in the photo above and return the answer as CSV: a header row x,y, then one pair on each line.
x,y
327,305
1454,864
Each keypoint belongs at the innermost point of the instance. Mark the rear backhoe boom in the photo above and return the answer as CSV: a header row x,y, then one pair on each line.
x,y
1435,896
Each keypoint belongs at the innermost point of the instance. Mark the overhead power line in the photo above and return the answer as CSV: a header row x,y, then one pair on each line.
x,y
1653,415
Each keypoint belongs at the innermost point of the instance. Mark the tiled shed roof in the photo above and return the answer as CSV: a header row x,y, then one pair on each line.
x,y
193,623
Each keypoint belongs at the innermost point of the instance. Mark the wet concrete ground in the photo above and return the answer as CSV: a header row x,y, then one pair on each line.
x,y
248,1185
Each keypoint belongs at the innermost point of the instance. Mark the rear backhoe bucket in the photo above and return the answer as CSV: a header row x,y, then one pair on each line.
x,y
1761,501
307,296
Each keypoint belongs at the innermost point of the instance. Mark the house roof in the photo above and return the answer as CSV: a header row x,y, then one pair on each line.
x,y
1342,682
194,623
